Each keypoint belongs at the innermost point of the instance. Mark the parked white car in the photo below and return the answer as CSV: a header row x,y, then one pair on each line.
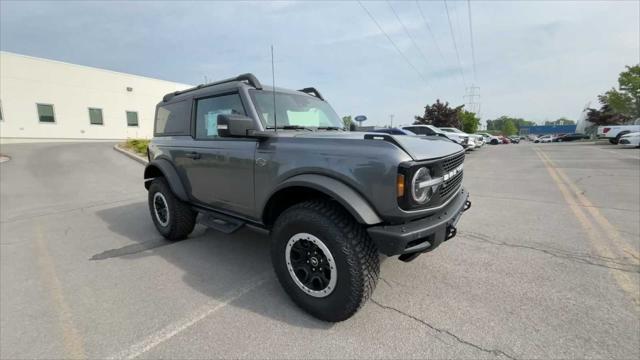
x,y
479,140
544,139
490,139
430,130
453,132
615,132
630,140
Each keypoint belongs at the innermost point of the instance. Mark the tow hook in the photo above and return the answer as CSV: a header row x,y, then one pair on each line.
x,y
467,205
451,232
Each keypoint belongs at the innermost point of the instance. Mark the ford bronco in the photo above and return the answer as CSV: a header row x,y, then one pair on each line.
x,y
234,153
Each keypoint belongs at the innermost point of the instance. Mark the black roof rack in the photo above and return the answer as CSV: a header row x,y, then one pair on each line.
x,y
313,92
250,78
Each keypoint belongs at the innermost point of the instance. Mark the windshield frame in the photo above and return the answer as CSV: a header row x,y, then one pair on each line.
x,y
269,127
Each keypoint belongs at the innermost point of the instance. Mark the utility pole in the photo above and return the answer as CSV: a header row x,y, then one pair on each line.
x,y
472,99
391,118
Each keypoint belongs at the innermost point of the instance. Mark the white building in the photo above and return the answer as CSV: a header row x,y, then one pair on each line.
x,y
46,99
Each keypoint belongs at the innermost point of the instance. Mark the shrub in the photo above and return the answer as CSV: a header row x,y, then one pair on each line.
x,y
139,146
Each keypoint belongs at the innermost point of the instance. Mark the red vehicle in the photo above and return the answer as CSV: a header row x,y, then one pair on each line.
x,y
504,140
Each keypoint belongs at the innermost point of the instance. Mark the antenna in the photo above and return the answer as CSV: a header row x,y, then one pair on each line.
x,y
273,90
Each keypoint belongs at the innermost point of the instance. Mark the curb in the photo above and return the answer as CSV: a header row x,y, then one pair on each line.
x,y
131,155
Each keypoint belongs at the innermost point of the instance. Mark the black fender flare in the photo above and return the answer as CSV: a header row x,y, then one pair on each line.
x,y
351,200
169,172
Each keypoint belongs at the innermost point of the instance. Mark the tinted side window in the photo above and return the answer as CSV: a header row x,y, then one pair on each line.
x,y
207,111
419,130
172,119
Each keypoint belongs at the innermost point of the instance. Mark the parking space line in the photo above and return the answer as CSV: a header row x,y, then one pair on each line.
x,y
593,210
595,235
185,323
71,337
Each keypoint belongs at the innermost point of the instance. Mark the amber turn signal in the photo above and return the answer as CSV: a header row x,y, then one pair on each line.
x,y
400,185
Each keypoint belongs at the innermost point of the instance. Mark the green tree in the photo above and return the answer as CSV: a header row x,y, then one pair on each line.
x,y
440,115
605,116
470,122
347,121
498,124
622,104
508,128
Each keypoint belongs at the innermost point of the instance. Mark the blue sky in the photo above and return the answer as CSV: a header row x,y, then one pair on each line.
x,y
540,60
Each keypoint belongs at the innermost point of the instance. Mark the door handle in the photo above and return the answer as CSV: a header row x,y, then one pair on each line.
x,y
193,155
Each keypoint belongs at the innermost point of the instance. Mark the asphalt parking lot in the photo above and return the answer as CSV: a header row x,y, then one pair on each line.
x,y
545,266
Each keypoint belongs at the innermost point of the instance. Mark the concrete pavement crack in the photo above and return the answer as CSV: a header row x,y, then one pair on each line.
x,y
495,352
386,282
609,263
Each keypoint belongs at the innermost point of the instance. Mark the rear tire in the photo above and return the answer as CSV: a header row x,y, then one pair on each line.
x,y
173,218
316,227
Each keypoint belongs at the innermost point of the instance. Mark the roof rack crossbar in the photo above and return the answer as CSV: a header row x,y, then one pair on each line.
x,y
313,92
249,78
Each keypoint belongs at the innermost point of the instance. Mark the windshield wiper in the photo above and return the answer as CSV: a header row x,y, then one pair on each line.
x,y
329,128
290,127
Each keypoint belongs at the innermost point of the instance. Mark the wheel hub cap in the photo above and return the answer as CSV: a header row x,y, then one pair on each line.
x,y
311,265
161,209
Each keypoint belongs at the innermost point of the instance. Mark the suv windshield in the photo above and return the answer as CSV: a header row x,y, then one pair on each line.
x,y
295,111
451,130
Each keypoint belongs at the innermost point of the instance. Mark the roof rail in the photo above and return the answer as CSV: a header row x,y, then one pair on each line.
x,y
249,78
313,92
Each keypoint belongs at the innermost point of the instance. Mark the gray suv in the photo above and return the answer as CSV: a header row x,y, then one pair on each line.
x,y
234,153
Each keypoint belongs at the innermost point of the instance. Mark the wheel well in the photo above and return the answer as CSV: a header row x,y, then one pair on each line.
x,y
285,198
151,172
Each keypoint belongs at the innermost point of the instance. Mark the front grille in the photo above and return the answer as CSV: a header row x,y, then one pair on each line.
x,y
450,185
453,162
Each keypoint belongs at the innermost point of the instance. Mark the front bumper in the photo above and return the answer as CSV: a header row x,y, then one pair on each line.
x,y
416,237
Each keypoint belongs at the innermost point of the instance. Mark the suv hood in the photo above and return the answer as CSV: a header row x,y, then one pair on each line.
x,y
418,147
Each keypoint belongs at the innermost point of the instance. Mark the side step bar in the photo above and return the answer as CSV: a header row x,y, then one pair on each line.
x,y
223,223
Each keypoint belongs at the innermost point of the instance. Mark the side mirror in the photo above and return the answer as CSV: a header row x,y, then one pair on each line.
x,y
234,125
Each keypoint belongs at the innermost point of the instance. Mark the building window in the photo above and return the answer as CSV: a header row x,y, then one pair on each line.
x,y
95,116
132,118
45,113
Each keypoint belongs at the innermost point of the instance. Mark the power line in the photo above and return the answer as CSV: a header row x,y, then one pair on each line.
x,y
393,43
455,46
433,37
413,41
473,50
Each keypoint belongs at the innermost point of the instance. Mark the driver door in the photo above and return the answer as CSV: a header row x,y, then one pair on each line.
x,y
220,170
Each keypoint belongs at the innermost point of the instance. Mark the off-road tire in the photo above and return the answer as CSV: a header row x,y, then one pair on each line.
x,y
356,257
182,218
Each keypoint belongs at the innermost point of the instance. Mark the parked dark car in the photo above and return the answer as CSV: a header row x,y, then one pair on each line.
x,y
234,153
570,137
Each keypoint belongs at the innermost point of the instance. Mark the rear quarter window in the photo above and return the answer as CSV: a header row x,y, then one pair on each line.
x,y
172,119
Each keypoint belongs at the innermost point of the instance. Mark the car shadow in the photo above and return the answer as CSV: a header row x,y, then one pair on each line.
x,y
215,264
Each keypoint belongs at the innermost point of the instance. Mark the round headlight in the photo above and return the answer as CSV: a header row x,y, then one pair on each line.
x,y
421,194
